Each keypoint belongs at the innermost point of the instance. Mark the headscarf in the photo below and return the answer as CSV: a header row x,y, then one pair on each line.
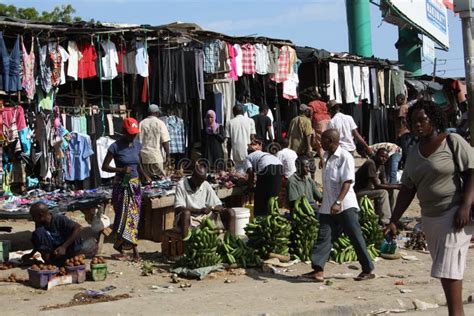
x,y
213,128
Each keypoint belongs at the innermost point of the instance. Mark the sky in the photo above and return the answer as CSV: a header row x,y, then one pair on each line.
x,y
315,23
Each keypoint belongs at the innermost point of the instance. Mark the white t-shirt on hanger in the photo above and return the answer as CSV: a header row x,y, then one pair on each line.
x,y
109,60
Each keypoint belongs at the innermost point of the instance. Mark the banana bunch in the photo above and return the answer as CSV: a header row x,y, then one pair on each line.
x,y
304,229
200,246
269,234
234,251
343,251
369,222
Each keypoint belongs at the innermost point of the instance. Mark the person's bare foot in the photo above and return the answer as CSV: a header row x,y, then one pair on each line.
x,y
315,276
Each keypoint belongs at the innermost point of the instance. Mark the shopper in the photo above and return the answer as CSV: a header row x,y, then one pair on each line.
x,y
263,126
212,142
320,119
126,192
300,132
346,127
393,163
339,211
240,131
196,201
432,172
55,237
370,180
269,172
154,139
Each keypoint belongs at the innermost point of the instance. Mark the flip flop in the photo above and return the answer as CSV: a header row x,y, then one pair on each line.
x,y
310,277
364,276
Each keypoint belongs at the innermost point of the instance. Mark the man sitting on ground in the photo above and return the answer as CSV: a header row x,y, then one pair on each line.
x,y
370,180
196,200
300,183
56,237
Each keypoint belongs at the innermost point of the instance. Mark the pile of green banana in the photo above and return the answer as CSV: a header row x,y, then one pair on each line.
x,y
369,222
269,234
304,229
200,246
234,251
343,251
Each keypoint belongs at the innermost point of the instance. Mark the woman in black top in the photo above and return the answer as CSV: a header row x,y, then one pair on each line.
x,y
212,139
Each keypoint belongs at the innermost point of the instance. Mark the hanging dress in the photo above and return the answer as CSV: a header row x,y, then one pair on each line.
x,y
28,66
10,67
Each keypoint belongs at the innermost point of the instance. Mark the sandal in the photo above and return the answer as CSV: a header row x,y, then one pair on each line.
x,y
311,276
364,276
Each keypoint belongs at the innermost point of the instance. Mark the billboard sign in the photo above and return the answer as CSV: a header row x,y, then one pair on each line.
x,y
429,17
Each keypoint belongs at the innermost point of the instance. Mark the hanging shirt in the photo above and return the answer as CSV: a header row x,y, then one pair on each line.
x,y
28,68
238,60
283,65
290,86
74,56
261,59
175,126
46,101
109,61
80,151
103,144
292,59
141,60
273,54
250,109
129,63
232,63
86,65
248,59
211,56
44,76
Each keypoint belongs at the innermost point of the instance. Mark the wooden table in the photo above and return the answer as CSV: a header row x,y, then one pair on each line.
x,y
157,213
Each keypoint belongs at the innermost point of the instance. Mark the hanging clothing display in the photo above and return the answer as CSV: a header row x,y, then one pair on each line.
x,y
141,59
10,80
176,130
86,66
109,60
80,151
248,59
334,84
232,62
365,90
238,60
227,89
282,65
28,68
261,59
211,56
348,85
74,56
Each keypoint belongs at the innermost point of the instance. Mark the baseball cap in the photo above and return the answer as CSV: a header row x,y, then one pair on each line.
x,y
153,108
131,126
303,107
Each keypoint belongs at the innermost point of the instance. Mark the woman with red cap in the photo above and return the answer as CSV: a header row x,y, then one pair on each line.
x,y
126,193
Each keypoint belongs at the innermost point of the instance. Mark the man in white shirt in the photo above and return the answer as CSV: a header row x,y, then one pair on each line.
x,y
287,157
196,200
155,139
346,127
339,210
240,131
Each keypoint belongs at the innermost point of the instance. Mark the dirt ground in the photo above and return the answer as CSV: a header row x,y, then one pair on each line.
x,y
251,292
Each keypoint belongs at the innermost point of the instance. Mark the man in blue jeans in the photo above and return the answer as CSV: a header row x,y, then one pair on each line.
x,y
339,211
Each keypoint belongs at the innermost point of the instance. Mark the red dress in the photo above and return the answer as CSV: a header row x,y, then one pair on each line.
x,y
86,65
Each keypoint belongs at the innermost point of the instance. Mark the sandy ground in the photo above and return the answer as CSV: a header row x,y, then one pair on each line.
x,y
251,292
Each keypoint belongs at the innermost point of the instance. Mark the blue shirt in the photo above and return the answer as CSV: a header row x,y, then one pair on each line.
x,y
126,155
176,130
79,152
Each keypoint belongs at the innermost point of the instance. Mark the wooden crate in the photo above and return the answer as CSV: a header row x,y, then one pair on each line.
x,y
172,245
155,220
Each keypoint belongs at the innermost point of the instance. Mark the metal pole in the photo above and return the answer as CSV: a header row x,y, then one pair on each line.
x,y
434,68
466,20
409,50
359,28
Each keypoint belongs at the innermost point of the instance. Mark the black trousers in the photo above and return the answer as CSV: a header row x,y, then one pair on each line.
x,y
268,185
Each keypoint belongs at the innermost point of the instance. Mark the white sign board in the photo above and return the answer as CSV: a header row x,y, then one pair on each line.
x,y
428,50
429,15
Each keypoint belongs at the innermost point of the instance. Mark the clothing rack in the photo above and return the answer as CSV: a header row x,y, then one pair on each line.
x,y
95,108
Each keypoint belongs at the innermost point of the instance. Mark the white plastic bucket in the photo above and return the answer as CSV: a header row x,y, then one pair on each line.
x,y
242,217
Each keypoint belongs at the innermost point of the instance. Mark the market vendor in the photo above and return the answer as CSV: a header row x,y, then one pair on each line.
x,y
301,184
196,201
56,237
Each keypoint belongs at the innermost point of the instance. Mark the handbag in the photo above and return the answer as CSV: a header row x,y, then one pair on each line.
x,y
462,175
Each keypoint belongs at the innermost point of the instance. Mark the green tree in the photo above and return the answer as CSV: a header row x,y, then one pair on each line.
x,y
64,13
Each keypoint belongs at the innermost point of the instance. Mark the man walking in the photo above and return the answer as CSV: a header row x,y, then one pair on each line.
x,y
300,132
154,138
239,133
346,127
339,211
263,126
